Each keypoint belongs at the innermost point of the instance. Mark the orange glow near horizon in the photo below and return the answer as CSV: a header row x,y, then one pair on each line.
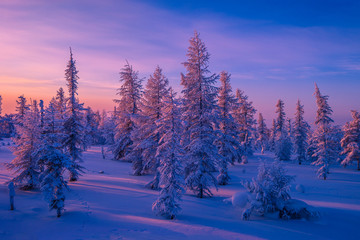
x,y
45,90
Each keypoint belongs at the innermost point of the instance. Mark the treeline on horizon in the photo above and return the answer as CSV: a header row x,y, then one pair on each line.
x,y
186,143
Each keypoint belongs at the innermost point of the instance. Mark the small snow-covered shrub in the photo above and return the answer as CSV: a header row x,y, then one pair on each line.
x,y
270,190
296,209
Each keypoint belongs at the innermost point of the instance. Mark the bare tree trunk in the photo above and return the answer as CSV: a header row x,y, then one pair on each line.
x,y
12,207
58,212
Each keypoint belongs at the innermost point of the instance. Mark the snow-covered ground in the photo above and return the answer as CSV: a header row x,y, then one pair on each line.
x,y
115,205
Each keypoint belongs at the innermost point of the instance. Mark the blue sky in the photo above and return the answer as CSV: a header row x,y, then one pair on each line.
x,y
273,49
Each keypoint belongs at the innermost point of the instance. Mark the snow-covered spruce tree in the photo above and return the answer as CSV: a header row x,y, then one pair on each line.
x,y
244,116
170,155
263,134
270,190
351,141
21,107
282,139
147,135
280,120
91,126
199,103
73,127
107,128
128,107
50,154
300,133
227,142
25,165
103,118
323,139
272,136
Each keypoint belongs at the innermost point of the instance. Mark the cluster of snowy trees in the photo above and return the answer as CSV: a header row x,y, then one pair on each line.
x,y
215,128
325,145
49,141
186,143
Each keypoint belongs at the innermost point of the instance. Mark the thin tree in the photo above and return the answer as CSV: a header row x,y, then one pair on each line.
x,y
300,132
152,104
170,155
282,140
228,144
263,134
73,127
325,149
107,128
128,107
272,136
244,114
21,107
199,95
91,125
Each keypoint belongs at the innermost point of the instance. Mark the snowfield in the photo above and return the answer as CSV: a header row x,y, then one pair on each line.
x,y
115,205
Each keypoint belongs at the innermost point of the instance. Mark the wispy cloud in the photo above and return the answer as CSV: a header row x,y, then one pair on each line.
x,y
35,36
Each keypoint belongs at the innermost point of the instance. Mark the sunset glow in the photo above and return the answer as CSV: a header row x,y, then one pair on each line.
x,y
271,51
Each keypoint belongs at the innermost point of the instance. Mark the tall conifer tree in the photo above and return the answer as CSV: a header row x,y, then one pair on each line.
x,y
147,135
300,132
199,95
244,116
282,139
73,127
170,155
228,144
323,139
128,108
351,141
263,135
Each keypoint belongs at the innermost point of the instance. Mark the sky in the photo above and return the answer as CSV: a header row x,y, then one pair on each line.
x,y
273,49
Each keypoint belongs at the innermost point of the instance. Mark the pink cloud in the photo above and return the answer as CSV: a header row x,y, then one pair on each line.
x,y
36,35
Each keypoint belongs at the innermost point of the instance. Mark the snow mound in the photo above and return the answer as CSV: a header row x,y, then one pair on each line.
x,y
300,188
239,199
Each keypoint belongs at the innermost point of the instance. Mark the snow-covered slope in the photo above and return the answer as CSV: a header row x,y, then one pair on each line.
x,y
115,205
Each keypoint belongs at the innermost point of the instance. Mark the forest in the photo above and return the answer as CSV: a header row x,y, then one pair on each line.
x,y
186,143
